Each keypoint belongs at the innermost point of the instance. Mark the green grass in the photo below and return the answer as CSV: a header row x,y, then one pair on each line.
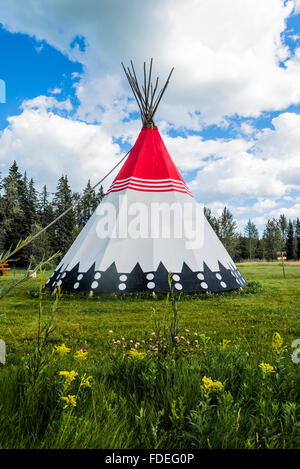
x,y
250,317
157,401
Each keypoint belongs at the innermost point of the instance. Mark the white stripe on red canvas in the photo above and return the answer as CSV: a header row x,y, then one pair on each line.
x,y
157,185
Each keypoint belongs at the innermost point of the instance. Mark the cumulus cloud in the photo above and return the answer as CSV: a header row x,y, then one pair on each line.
x,y
265,167
227,55
290,212
48,145
296,6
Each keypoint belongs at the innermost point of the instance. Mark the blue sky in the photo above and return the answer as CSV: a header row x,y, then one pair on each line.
x,y
31,68
230,117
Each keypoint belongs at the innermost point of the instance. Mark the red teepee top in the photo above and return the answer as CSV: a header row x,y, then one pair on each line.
x,y
149,167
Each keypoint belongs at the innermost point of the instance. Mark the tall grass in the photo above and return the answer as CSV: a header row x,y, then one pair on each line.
x,y
173,389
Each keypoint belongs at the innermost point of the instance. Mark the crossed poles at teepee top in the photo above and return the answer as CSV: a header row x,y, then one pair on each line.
x,y
145,98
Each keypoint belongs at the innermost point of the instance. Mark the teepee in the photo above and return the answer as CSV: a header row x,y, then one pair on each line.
x,y
148,229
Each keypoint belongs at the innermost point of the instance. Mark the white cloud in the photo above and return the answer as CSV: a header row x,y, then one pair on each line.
x,y
262,205
226,54
284,140
55,91
48,145
247,128
290,212
46,103
296,6
228,169
265,168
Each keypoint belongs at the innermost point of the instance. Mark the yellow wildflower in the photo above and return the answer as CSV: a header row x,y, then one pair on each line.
x,y
266,368
70,400
277,343
86,381
69,376
210,385
62,349
204,338
135,354
81,355
224,343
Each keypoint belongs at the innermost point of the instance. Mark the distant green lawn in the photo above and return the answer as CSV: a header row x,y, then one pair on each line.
x,y
250,317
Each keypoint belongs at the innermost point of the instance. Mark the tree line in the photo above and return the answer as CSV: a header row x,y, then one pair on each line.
x,y
280,235
24,211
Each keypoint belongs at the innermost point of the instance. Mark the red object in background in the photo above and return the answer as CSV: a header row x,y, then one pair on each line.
x,y
3,269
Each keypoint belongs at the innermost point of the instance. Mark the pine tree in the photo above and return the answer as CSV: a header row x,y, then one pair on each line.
x,y
66,226
284,226
290,245
260,249
227,231
29,206
13,221
46,216
42,207
89,203
242,248
297,236
40,248
252,236
213,221
99,197
29,203
77,209
272,240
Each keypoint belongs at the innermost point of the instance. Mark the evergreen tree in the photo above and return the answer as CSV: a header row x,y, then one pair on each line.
x,y
227,232
77,209
242,248
260,249
46,216
43,204
65,227
290,242
32,201
99,196
86,207
272,240
297,233
213,221
29,206
284,226
13,221
39,249
251,233
29,203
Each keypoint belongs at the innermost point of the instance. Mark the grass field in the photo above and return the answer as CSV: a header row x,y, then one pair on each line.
x,y
250,317
156,401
